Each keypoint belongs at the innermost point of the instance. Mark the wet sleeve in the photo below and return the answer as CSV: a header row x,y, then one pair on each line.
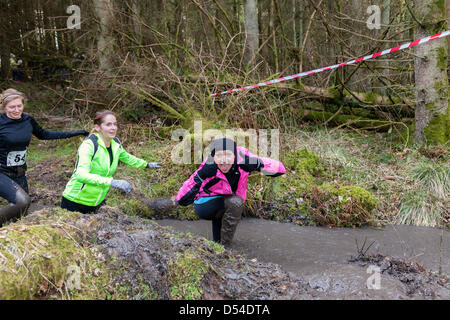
x,y
82,171
267,166
272,168
186,195
43,134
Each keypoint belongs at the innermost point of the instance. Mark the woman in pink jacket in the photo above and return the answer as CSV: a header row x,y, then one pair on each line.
x,y
218,188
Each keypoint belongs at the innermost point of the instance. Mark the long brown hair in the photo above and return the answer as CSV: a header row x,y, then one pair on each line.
x,y
100,117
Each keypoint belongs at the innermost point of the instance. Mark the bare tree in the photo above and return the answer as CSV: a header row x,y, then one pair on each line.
x,y
251,30
448,22
431,81
105,41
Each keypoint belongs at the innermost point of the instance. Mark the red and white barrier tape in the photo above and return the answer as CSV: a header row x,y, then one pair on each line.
x,y
378,54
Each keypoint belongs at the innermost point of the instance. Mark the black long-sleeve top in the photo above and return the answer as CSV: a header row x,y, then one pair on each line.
x,y
15,137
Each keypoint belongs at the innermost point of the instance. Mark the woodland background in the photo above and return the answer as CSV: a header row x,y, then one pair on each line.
x,y
145,57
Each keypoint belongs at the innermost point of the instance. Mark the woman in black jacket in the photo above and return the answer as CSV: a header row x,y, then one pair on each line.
x,y
16,129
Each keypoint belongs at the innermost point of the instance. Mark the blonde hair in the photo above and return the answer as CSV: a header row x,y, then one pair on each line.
x,y
11,94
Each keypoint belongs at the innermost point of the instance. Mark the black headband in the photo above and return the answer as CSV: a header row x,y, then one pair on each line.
x,y
11,95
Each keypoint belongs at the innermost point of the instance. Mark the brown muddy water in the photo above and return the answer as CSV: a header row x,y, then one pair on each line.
x,y
321,255
311,249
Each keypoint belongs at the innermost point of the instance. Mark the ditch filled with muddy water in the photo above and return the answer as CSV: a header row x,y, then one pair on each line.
x,y
331,260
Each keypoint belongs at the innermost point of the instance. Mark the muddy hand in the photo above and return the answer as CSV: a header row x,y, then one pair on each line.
x,y
162,204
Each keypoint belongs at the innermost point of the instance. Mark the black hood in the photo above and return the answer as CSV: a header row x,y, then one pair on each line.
x,y
224,144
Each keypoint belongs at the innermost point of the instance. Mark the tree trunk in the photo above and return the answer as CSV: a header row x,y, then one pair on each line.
x,y
251,30
4,56
432,114
272,33
385,20
136,21
105,42
448,23
4,47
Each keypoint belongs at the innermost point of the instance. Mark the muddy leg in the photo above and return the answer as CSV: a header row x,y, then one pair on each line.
x,y
234,206
13,211
213,210
217,225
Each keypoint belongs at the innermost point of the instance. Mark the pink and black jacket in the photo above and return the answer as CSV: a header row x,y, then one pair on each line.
x,y
209,181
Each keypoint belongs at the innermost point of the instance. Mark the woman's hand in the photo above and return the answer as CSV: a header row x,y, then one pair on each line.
x,y
250,164
154,165
208,170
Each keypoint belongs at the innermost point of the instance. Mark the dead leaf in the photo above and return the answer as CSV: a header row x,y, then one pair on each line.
x,y
23,228
60,283
46,255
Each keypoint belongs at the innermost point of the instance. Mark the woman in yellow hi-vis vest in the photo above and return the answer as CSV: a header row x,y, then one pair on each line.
x,y
97,160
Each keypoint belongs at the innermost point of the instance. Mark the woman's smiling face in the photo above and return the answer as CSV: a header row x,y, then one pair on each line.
x,y
14,108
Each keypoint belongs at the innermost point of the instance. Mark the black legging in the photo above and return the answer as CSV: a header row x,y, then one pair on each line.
x,y
212,210
73,206
14,189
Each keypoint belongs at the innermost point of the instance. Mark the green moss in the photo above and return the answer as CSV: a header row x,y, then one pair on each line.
x,y
440,6
304,162
335,93
351,193
306,167
185,274
442,58
436,131
441,88
341,206
370,97
302,193
134,207
433,17
46,261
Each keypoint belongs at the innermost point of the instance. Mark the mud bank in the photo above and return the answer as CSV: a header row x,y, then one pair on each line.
x,y
132,258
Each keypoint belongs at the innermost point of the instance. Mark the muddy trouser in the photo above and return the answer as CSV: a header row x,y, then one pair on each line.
x,y
14,189
73,206
225,213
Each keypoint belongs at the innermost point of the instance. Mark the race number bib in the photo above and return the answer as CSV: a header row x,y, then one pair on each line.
x,y
16,158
